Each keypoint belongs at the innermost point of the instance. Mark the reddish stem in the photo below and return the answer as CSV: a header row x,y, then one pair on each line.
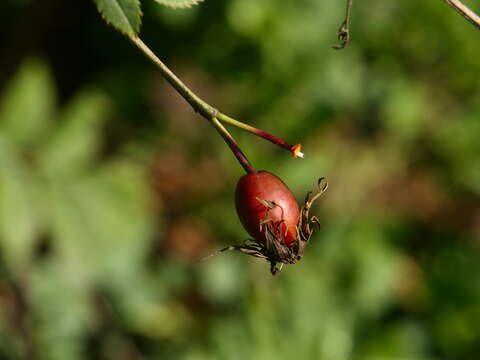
x,y
273,139
294,149
242,159
210,113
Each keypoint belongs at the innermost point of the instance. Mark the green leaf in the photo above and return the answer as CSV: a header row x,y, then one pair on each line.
x,y
74,146
123,15
179,3
99,213
28,104
63,316
18,218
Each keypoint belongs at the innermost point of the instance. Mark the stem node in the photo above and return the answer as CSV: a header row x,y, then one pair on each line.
x,y
210,113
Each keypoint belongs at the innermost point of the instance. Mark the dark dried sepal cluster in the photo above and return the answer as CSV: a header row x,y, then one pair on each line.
x,y
305,225
284,254
274,249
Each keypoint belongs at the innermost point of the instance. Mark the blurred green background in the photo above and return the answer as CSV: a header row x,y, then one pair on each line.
x,y
111,188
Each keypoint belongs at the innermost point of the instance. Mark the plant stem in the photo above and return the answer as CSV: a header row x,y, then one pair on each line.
x,y
242,159
198,104
294,149
202,107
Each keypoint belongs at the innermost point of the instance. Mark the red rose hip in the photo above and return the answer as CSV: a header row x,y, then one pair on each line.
x,y
269,212
264,201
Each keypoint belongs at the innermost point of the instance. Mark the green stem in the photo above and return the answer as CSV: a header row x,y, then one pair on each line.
x,y
294,149
198,104
202,107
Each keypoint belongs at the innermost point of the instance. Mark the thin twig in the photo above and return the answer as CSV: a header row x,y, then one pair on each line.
x,y
466,12
242,159
198,104
294,149
202,107
344,31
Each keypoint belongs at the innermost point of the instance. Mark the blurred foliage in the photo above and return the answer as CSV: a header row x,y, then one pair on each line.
x,y
112,189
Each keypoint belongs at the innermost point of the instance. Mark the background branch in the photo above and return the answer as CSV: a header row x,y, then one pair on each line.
x,y
466,12
344,30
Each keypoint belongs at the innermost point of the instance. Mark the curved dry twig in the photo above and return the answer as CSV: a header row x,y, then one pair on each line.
x,y
465,11
457,5
344,30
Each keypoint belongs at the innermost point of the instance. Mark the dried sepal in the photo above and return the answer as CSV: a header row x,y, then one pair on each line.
x,y
273,248
304,227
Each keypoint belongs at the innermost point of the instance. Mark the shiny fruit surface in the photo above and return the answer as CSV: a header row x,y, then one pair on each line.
x,y
262,198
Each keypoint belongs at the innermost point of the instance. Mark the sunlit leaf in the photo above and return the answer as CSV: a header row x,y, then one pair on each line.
x,y
75,144
18,218
123,15
179,3
27,105
101,223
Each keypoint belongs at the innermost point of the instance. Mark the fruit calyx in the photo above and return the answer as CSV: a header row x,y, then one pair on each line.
x,y
271,243
274,249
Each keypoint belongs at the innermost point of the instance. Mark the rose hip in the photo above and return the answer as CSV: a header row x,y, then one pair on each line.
x,y
269,212
263,199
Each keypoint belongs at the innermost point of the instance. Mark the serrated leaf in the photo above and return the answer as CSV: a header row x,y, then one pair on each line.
x,y
123,15
179,3
75,144
28,104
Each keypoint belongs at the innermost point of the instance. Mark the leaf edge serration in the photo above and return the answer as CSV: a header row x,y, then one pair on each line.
x,y
179,4
133,29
